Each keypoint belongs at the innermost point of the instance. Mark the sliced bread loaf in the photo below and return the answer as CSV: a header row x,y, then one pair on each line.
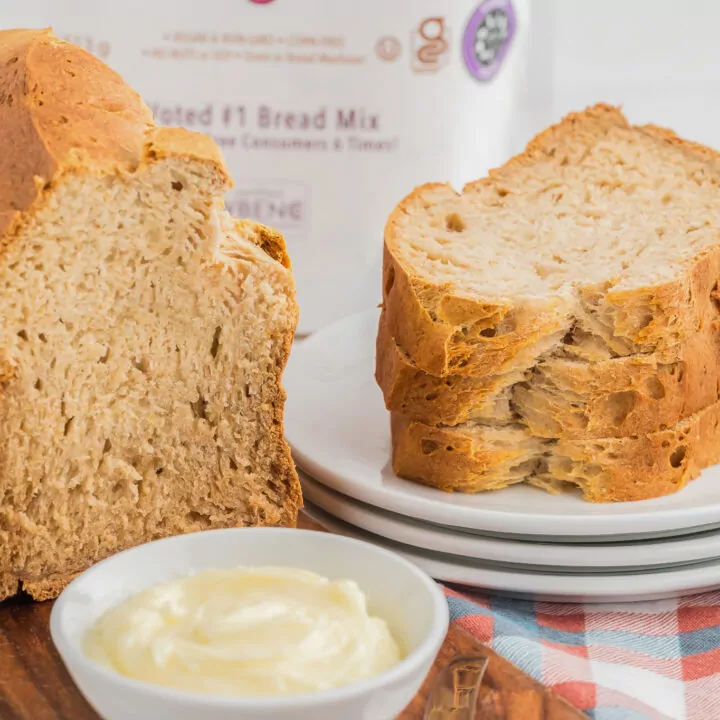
x,y
143,332
568,302
599,228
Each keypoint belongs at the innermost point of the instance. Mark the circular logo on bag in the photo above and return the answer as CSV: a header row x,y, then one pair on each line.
x,y
487,38
388,48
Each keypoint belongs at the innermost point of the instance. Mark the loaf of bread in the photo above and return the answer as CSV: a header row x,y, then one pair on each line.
x,y
559,321
144,331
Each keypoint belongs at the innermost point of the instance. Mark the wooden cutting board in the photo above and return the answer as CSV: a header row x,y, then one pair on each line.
x,y
34,684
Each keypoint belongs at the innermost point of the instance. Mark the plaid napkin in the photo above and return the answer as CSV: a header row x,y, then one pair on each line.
x,y
635,661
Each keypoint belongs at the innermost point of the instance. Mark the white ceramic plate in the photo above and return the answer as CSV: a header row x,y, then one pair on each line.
x,y
523,555
338,428
552,587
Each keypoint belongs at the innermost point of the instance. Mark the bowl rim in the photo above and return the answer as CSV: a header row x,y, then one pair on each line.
x,y
425,653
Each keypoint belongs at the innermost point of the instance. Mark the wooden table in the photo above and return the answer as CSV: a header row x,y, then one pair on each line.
x,y
34,684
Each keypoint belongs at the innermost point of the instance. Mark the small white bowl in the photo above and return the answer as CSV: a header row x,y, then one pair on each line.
x,y
403,595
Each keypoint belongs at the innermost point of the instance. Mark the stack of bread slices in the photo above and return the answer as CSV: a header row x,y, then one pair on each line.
x,y
557,323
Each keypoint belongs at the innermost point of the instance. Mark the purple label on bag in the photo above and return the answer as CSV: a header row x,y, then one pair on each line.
x,y
487,38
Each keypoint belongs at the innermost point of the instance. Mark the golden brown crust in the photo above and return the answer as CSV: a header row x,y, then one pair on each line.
x,y
63,110
657,319
172,142
687,146
446,334
43,83
410,391
606,470
562,397
636,468
569,138
267,239
623,396
462,460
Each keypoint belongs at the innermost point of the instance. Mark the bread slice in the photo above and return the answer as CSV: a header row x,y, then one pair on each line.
x,y
473,457
625,396
599,228
143,332
466,458
449,400
560,396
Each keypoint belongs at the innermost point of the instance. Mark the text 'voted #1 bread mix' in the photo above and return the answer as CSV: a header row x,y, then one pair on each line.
x,y
327,111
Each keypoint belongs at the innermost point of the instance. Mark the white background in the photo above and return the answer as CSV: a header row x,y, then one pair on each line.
x,y
660,59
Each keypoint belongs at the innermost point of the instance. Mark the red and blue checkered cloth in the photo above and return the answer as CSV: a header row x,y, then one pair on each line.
x,y
636,661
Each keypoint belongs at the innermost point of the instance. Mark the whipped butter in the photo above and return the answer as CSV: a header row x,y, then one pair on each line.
x,y
245,631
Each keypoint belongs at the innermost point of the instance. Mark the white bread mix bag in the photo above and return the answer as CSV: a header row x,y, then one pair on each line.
x,y
328,112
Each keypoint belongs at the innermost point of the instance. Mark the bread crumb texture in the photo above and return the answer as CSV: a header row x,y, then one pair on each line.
x,y
144,331
557,322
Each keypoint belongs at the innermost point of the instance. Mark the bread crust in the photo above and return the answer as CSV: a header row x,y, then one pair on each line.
x,y
434,400
640,467
625,396
267,239
64,113
469,459
605,470
63,110
43,83
560,397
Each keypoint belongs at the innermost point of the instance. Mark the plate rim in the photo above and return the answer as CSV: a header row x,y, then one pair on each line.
x,y
552,587
476,518
330,501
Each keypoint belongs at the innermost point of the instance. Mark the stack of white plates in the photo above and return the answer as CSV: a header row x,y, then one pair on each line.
x,y
520,540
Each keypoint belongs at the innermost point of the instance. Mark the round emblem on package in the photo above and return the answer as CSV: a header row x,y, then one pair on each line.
x,y
487,38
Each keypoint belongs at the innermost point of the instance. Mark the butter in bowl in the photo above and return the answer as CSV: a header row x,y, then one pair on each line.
x,y
251,623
